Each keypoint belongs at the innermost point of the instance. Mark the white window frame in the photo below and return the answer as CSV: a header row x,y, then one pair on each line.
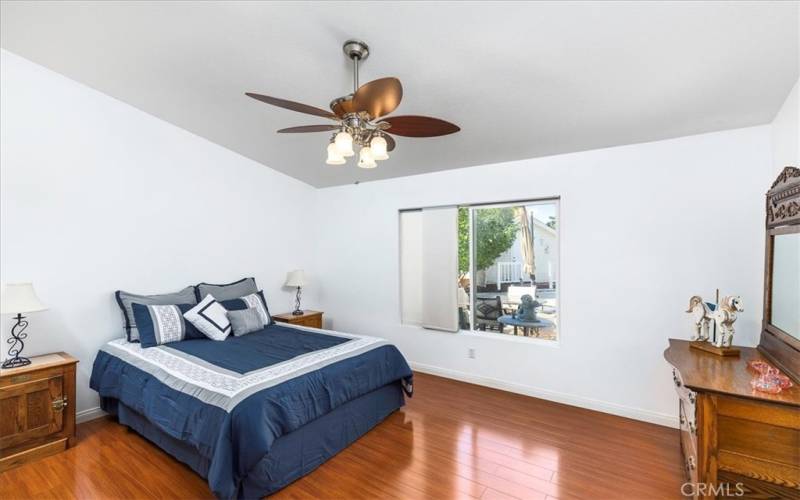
x,y
514,338
472,332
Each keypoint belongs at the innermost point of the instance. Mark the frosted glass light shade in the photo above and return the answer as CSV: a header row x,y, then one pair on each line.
x,y
334,158
295,278
378,147
344,143
365,159
20,298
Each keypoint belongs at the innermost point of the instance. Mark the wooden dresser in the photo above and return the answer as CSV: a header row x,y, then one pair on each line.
x,y
308,318
37,409
737,441
731,433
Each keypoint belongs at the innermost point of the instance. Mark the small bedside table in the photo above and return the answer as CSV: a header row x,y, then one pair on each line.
x,y
37,409
308,318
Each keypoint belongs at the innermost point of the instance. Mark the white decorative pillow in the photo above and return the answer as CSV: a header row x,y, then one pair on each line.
x,y
211,318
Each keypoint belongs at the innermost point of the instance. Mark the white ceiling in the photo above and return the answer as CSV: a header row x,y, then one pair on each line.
x,y
521,79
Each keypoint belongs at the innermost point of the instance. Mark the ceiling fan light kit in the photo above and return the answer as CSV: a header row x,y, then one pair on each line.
x,y
360,116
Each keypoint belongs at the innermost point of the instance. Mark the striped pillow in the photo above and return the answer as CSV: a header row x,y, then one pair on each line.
x,y
162,324
255,301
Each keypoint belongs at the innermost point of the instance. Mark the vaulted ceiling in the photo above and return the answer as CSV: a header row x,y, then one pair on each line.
x,y
521,79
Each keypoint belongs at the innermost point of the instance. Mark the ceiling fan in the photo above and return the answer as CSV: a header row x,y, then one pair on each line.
x,y
360,118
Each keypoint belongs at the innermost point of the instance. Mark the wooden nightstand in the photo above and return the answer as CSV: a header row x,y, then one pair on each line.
x,y
37,409
308,318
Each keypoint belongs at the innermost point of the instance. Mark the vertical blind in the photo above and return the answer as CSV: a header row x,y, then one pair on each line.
x,y
429,268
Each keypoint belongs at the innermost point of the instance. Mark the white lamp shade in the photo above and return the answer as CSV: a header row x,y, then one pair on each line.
x,y
295,278
378,147
19,298
344,143
334,158
365,159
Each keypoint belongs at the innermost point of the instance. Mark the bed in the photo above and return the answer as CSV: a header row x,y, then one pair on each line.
x,y
253,413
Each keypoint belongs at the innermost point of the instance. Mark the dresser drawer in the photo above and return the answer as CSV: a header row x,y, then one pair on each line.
x,y
761,441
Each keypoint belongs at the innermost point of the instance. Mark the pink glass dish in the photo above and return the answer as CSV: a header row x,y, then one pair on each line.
x,y
770,379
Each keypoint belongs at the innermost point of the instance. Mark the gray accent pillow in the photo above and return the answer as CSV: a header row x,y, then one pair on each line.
x,y
125,299
244,286
245,321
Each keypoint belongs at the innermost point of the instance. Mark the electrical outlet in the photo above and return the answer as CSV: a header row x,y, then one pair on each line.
x,y
471,353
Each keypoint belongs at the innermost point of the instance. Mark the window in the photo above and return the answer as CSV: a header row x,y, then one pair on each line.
x,y
491,268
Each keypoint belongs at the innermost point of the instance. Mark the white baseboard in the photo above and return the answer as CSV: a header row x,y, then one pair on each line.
x,y
89,414
559,397
536,392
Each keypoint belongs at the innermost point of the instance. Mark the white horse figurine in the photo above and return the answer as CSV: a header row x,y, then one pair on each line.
x,y
723,315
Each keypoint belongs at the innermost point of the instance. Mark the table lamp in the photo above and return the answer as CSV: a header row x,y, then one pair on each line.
x,y
296,278
18,298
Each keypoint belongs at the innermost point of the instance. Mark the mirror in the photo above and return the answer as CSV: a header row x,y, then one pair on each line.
x,y
785,291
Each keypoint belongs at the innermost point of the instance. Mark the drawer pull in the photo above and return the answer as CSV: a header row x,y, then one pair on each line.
x,y
690,463
60,403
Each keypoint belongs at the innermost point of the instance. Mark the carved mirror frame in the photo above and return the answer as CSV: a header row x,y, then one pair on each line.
x,y
783,217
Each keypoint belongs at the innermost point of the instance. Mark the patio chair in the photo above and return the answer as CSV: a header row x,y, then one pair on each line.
x,y
487,310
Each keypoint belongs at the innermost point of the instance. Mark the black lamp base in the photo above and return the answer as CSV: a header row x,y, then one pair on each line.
x,y
16,362
297,311
17,336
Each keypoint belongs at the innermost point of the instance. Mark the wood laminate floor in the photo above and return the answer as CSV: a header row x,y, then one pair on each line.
x,y
451,440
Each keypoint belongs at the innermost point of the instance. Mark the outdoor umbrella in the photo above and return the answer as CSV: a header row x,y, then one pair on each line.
x,y
525,242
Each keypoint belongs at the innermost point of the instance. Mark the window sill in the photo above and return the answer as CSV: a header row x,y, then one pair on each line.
x,y
509,338
492,336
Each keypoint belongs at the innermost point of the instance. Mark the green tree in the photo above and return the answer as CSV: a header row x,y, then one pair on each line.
x,y
463,241
495,230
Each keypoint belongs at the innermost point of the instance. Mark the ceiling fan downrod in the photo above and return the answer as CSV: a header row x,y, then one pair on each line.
x,y
357,51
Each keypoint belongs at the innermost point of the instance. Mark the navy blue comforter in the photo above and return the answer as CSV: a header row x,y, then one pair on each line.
x,y
231,400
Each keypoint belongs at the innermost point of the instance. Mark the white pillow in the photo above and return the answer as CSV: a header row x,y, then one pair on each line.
x,y
211,318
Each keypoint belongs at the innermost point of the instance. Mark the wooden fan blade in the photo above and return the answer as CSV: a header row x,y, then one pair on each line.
x,y
390,144
378,97
419,126
291,105
308,128
342,106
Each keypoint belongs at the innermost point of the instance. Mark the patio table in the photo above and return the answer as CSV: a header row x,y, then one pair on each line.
x,y
525,325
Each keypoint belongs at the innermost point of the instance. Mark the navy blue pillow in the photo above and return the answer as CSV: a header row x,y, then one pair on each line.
x,y
162,324
240,304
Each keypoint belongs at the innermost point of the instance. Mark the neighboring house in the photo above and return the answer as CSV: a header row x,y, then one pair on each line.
x,y
508,267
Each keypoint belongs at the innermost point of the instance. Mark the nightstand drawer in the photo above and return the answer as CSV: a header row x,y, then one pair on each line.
x,y
315,322
311,319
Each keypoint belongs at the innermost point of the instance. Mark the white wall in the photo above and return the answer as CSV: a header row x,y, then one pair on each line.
x,y
687,219
785,133
97,195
